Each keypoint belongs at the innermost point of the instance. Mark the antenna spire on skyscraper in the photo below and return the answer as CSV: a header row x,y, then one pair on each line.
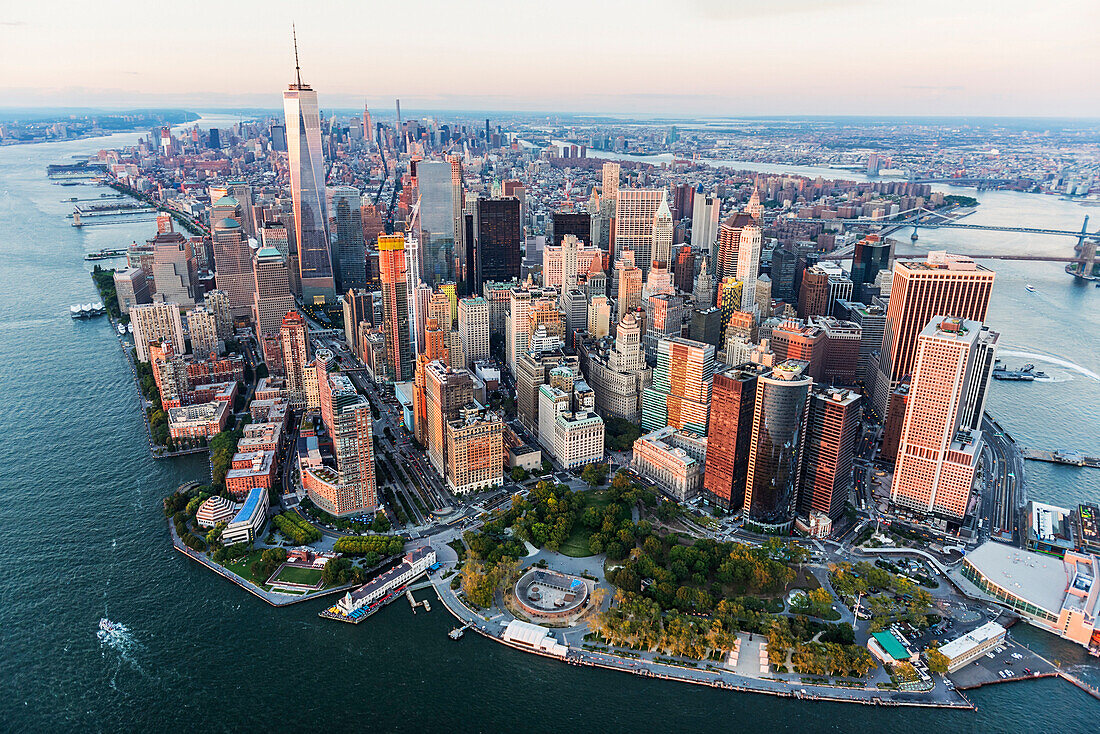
x,y
297,69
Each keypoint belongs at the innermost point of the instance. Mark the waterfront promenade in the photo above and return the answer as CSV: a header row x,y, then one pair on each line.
x,y
708,673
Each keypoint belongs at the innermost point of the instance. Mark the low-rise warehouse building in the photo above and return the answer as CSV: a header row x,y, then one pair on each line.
x,y
972,645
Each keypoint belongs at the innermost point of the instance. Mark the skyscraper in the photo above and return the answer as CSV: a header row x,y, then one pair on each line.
x,y
942,284
733,399
272,297
351,489
704,222
473,325
175,278
938,452
233,265
578,224
156,322
681,390
748,265
871,256
395,306
729,244
203,330
437,221
307,189
636,219
832,429
775,454
346,227
447,390
295,356
499,234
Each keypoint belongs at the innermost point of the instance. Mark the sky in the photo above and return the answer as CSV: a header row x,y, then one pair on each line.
x,y
673,58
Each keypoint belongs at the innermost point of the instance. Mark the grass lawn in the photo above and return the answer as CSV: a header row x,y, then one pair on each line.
x,y
242,567
298,575
459,548
576,545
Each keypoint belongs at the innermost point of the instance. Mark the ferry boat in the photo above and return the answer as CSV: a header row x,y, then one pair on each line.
x,y
1026,373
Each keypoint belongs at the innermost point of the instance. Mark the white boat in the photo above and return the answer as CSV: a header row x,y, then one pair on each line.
x,y
130,328
122,329
1029,288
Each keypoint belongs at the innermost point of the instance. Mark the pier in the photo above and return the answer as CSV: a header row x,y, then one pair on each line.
x,y
1069,458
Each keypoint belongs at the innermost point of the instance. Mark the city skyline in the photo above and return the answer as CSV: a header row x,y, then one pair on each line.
x,y
792,57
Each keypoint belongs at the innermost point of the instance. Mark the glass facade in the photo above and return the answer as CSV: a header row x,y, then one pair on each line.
x,y
775,460
437,222
307,188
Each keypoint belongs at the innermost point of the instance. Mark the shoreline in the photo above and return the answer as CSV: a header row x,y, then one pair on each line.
x,y
267,596
622,666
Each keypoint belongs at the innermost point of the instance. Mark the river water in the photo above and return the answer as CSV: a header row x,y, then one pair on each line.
x,y
82,537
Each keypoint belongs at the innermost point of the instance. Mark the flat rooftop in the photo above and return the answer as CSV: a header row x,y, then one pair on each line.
x,y
1036,577
972,639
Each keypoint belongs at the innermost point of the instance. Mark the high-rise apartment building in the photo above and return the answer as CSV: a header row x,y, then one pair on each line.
x,y
938,452
446,391
438,225
733,401
475,450
350,489
792,339
346,227
307,190
569,429
395,306
218,302
175,276
132,288
202,327
295,356
776,451
681,389
156,322
941,284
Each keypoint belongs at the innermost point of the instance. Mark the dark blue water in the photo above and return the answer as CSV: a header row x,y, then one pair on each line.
x,y
81,536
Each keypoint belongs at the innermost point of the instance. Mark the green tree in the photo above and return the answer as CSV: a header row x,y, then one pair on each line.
x,y
594,474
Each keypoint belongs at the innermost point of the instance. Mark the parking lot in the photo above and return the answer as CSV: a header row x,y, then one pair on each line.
x,y
1008,661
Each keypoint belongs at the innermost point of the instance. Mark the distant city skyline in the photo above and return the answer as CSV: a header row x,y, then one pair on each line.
x,y
702,58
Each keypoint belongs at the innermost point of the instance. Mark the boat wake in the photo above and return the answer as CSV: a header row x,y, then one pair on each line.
x,y
116,639
1052,360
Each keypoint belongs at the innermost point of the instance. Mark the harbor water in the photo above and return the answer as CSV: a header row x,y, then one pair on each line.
x,y
83,537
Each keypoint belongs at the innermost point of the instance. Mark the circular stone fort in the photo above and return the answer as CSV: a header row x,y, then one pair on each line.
x,y
551,595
